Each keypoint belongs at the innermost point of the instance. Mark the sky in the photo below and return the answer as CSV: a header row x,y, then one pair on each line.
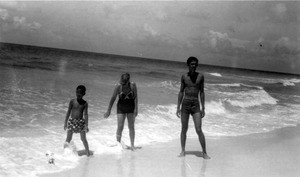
x,y
260,35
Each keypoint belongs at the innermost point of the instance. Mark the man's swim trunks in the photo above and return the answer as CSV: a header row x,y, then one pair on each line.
x,y
190,106
76,125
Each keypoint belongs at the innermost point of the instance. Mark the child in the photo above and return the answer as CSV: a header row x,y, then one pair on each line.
x,y
78,122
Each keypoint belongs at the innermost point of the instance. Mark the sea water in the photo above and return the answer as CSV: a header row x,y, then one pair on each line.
x,y
36,86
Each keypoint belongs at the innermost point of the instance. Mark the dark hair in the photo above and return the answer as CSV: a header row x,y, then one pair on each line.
x,y
190,59
82,88
124,75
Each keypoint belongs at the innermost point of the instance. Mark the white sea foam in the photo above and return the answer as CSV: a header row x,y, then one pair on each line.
x,y
169,85
215,107
251,98
237,85
284,82
216,74
243,95
227,85
290,82
25,156
22,156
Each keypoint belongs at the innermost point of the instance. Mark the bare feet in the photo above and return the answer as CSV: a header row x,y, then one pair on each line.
x,y
66,144
133,148
87,153
182,154
205,156
123,145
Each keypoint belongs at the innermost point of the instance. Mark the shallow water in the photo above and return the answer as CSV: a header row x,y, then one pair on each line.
x,y
36,88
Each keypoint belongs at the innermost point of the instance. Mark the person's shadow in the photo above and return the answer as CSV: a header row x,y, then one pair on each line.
x,y
120,170
131,172
126,167
196,153
85,168
83,152
186,169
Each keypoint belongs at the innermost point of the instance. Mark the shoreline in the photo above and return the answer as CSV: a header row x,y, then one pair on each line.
x,y
275,153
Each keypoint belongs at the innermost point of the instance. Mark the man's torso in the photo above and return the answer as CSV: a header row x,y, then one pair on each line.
x,y
192,89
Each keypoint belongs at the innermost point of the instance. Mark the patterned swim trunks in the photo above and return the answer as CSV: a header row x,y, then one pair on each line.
x,y
76,125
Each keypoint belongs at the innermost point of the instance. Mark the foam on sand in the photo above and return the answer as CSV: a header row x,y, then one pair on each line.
x,y
269,154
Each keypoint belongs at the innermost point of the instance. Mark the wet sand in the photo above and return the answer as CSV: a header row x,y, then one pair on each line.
x,y
275,153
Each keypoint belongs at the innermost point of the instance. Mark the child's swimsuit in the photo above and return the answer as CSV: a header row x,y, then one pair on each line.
x,y
126,102
76,125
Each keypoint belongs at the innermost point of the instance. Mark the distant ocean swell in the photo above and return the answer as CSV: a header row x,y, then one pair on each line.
x,y
283,81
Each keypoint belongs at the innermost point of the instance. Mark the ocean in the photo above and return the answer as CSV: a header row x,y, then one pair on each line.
x,y
37,84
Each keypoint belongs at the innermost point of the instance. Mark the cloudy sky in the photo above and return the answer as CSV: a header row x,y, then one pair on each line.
x,y
253,34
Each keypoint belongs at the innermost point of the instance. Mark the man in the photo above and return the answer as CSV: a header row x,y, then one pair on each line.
x,y
192,85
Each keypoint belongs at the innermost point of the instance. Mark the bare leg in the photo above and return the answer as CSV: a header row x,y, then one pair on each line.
x,y
85,143
131,120
121,121
69,137
198,126
184,129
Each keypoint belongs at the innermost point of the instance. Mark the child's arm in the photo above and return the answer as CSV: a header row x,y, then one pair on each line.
x,y
68,114
112,100
86,117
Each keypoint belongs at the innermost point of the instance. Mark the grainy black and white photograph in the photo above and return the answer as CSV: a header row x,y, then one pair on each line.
x,y
169,88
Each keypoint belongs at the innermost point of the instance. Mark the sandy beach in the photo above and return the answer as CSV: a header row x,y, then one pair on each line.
x,y
271,154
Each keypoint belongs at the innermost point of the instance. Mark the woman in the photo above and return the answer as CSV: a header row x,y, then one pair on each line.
x,y
127,106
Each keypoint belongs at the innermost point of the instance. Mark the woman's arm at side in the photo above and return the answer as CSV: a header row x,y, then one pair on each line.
x,y
112,100
135,99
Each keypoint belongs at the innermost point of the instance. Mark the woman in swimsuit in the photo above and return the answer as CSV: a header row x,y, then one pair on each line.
x,y
127,106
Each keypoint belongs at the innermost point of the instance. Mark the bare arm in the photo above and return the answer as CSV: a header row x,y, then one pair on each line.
x,y
85,114
68,114
112,100
202,96
86,117
135,99
180,96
